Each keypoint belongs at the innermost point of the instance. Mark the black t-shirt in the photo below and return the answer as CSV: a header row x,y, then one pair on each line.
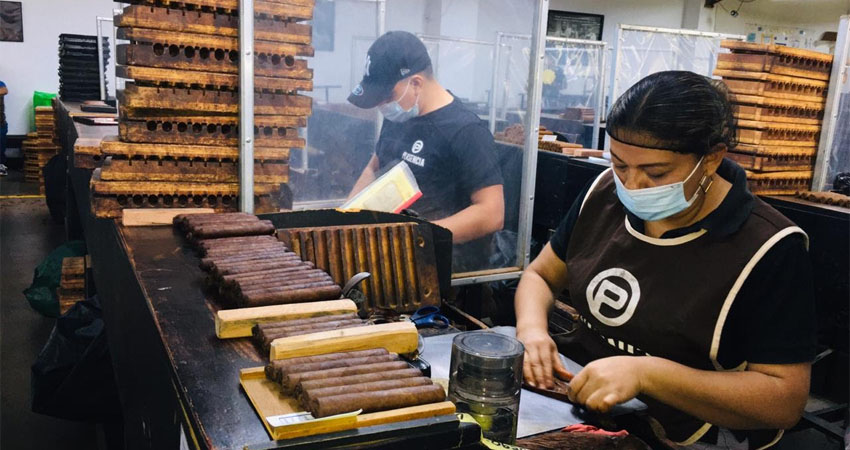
x,y
451,153
772,320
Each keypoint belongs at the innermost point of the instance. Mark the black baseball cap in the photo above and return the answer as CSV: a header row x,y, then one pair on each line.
x,y
393,57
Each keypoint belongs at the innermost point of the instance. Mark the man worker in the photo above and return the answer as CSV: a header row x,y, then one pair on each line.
x,y
449,149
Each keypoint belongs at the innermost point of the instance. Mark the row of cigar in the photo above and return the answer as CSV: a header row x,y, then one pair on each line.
x,y
247,268
264,333
369,380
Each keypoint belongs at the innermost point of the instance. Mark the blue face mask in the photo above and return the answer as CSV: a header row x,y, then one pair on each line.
x,y
659,202
393,111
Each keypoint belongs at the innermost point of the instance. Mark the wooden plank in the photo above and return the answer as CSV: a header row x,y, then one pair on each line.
x,y
754,47
144,217
209,59
397,337
233,323
112,146
213,42
284,10
202,131
189,101
198,79
190,171
209,23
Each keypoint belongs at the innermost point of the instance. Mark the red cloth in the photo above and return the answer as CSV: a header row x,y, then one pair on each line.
x,y
582,428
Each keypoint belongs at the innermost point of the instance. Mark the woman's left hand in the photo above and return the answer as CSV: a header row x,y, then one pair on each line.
x,y
607,382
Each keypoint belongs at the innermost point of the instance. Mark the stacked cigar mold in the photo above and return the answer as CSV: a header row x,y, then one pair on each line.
x,y
779,94
178,142
248,266
368,380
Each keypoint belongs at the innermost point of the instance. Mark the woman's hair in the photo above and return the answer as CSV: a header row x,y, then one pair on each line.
x,y
674,110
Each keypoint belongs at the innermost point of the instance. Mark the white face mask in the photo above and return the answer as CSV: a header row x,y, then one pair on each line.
x,y
393,111
659,202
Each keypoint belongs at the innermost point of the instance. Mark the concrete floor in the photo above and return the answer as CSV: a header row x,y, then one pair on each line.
x,y
27,235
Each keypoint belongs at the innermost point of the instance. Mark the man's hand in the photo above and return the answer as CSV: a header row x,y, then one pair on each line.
x,y
485,215
541,359
607,382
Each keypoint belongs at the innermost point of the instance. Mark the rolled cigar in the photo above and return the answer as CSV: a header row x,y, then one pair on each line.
x,y
328,357
308,331
240,249
357,379
307,396
191,227
231,229
265,339
277,297
291,375
346,371
230,269
376,400
311,276
274,253
182,220
275,274
265,291
210,243
309,320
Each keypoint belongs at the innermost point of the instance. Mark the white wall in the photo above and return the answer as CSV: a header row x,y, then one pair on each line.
x,y
813,16
33,65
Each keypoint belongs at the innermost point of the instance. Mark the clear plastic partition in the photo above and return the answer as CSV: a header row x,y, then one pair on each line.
x,y
573,87
834,150
456,59
642,51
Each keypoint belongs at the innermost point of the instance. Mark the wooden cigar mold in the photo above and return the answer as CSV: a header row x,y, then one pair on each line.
x,y
779,183
755,108
397,255
775,86
827,198
269,131
194,100
72,283
776,59
279,9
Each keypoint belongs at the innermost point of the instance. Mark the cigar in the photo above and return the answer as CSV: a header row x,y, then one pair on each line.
x,y
278,328
278,297
265,340
383,385
230,269
210,243
281,363
230,229
236,249
306,385
311,276
291,375
376,400
238,277
345,371
308,320
229,259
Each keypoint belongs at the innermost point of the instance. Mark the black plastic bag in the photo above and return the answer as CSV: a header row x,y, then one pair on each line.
x,y
55,187
72,377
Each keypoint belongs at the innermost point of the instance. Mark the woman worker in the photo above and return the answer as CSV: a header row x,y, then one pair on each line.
x,y
693,294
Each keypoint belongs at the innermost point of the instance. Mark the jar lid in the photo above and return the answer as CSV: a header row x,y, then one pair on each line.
x,y
488,350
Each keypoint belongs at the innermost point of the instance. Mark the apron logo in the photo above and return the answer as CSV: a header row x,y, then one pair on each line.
x,y
417,146
612,296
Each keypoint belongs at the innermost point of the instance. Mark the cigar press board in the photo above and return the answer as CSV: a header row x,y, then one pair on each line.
x,y
234,323
270,404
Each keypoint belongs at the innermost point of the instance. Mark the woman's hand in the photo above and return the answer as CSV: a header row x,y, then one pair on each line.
x,y
607,382
541,358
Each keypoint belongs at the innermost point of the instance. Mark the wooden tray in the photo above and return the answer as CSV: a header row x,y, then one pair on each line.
x,y
130,150
774,86
780,134
211,42
777,59
190,101
204,131
768,109
281,9
773,163
189,171
157,18
398,255
183,79
109,198
779,183
175,56
269,401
